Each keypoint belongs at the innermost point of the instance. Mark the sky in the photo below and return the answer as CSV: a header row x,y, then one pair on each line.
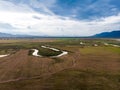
x,y
59,17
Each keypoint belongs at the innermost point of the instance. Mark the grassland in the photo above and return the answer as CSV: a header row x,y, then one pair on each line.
x,y
85,67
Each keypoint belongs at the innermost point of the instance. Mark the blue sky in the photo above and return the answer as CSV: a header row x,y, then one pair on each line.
x,y
59,17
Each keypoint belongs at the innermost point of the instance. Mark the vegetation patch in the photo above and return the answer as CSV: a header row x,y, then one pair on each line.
x,y
45,52
30,52
48,52
84,80
7,51
99,50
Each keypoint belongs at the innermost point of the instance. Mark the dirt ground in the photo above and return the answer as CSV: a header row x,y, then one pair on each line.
x,y
88,68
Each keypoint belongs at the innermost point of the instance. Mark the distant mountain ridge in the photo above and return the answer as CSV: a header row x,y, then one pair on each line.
x,y
6,35
113,34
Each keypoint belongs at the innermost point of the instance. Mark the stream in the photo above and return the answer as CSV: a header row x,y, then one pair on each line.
x,y
35,53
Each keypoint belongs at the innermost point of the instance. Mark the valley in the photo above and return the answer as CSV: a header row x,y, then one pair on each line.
x,y
90,65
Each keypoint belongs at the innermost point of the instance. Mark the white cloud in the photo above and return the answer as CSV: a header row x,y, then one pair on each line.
x,y
8,6
26,21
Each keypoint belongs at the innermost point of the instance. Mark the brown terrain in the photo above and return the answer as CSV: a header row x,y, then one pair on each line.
x,y
87,67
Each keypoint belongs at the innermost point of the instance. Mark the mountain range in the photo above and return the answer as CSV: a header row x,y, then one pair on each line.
x,y
7,35
113,34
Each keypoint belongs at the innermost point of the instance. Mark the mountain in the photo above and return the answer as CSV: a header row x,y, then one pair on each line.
x,y
113,34
6,35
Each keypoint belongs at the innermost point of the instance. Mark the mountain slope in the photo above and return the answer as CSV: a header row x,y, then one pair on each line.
x,y
113,34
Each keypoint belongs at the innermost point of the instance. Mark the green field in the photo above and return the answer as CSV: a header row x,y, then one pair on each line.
x,y
85,67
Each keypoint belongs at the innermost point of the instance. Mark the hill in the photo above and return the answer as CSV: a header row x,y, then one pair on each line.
x,y
113,34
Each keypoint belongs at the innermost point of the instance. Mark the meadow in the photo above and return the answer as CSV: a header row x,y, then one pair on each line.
x,y
89,64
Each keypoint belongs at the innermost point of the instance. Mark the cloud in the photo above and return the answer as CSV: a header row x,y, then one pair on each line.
x,y
30,21
86,9
6,25
8,6
40,6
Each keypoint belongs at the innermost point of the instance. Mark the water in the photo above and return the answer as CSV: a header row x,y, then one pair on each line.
x,y
35,53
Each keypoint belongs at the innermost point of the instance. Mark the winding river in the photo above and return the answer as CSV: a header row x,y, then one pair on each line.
x,y
4,55
35,53
106,44
63,53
